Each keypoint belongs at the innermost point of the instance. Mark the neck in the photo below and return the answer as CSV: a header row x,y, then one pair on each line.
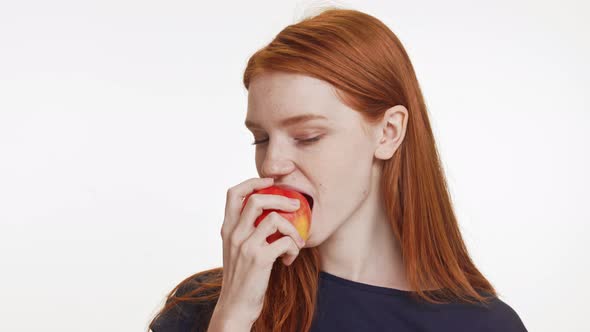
x,y
364,249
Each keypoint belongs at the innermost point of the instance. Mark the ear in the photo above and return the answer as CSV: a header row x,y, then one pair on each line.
x,y
392,129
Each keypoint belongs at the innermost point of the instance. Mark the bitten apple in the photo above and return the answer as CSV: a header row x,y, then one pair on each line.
x,y
300,218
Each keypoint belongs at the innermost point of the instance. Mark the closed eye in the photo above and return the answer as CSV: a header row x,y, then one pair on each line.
x,y
300,141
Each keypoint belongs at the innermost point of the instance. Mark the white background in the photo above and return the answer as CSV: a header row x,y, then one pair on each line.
x,y
121,128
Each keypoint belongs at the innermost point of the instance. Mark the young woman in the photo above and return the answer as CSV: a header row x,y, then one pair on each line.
x,y
336,112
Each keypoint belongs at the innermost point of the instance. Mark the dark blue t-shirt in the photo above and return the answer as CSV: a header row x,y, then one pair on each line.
x,y
345,305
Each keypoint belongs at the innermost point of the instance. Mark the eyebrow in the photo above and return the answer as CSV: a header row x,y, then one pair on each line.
x,y
290,121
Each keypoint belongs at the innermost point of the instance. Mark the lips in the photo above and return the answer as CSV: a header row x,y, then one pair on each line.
x,y
301,191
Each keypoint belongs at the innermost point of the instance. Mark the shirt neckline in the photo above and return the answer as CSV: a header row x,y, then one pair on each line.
x,y
362,286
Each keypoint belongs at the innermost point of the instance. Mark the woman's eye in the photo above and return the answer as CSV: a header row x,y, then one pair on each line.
x,y
309,140
259,142
300,141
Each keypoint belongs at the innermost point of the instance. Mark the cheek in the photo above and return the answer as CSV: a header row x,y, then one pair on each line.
x,y
350,154
343,168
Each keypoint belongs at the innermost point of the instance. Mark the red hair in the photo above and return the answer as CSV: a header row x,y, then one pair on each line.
x,y
371,71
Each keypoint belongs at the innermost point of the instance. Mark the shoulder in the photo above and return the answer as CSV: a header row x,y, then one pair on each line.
x,y
493,316
502,317
191,304
208,278
497,315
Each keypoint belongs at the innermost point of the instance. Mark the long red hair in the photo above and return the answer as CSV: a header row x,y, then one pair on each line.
x,y
366,62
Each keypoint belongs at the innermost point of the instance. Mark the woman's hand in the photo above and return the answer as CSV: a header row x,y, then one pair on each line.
x,y
247,257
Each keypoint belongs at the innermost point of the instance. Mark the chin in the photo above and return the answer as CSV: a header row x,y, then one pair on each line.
x,y
317,234
314,240
309,243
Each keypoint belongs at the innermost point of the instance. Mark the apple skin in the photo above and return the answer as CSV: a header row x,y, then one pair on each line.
x,y
300,218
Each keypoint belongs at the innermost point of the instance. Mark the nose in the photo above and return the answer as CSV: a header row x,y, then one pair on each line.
x,y
276,163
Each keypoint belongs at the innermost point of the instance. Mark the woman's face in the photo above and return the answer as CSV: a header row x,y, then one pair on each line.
x,y
328,156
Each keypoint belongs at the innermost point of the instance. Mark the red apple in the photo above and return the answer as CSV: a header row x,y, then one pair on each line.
x,y
300,218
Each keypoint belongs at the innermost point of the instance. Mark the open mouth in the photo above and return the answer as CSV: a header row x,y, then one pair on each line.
x,y
309,200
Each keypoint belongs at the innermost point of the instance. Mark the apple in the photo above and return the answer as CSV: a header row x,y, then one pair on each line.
x,y
301,218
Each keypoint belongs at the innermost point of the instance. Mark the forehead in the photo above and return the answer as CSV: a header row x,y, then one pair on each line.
x,y
275,96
